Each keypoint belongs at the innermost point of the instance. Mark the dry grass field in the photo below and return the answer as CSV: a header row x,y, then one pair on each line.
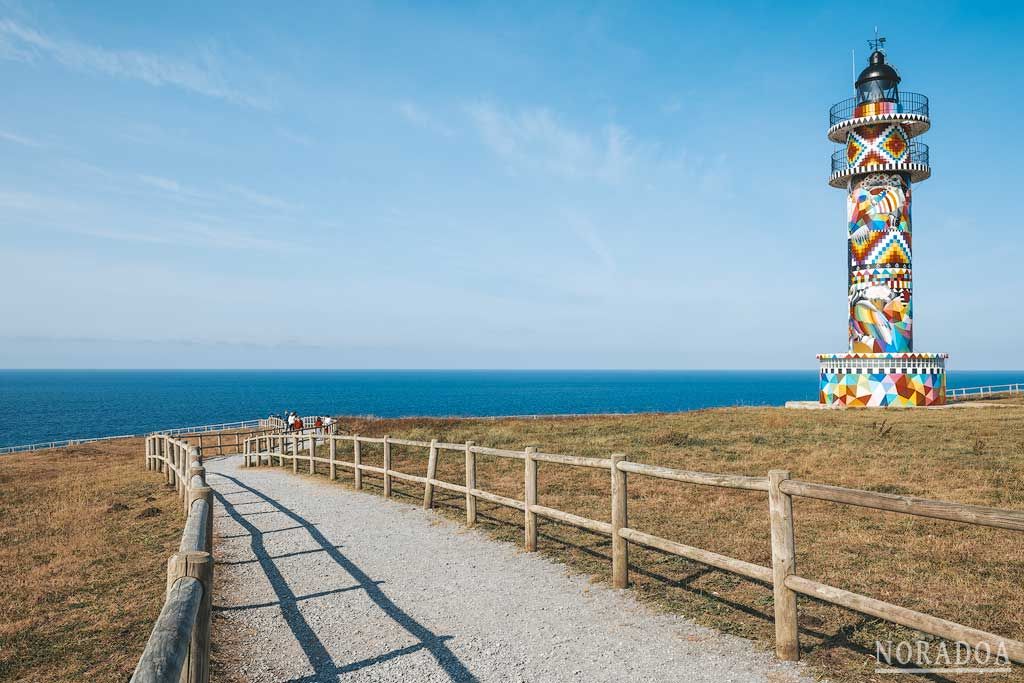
x,y
964,573
84,537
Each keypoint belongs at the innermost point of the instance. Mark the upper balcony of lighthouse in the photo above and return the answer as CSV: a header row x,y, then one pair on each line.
x,y
879,99
860,123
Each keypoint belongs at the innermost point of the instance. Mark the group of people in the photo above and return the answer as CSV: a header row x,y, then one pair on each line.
x,y
294,423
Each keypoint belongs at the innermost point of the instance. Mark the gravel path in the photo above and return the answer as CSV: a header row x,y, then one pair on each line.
x,y
316,582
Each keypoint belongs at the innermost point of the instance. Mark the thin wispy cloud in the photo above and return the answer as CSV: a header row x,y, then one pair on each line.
x,y
188,234
589,236
297,138
165,184
262,199
199,74
537,139
421,118
19,139
238,192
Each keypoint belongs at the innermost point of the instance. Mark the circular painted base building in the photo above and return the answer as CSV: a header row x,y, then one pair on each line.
x,y
881,160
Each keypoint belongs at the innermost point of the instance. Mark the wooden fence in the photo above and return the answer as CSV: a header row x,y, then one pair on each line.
x,y
230,440
778,485
178,650
220,443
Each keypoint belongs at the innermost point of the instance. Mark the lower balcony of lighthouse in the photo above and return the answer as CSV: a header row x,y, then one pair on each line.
x,y
914,163
882,380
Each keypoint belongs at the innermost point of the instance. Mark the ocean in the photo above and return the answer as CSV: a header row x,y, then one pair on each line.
x,y
45,405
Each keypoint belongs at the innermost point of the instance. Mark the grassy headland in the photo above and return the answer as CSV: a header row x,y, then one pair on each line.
x,y
85,532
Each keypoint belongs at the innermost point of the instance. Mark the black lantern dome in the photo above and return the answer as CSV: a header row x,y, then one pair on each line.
x,y
878,82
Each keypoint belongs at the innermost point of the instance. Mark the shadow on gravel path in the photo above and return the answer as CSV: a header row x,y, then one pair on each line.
x,y
324,667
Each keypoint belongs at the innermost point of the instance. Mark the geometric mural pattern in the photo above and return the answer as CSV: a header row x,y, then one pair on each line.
x,y
880,248
882,389
897,278
880,294
876,145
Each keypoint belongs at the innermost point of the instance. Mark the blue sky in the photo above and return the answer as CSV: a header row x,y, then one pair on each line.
x,y
502,185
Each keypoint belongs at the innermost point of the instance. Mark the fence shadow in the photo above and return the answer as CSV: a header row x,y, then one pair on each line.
x,y
319,658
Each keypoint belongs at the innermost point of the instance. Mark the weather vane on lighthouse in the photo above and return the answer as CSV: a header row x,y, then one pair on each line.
x,y
880,161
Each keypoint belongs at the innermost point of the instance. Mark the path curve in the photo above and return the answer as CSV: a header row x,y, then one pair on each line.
x,y
316,582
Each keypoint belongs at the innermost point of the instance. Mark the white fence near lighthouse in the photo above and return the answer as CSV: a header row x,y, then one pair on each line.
x,y
993,390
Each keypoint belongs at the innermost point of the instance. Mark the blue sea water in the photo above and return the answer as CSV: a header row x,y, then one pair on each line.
x,y
44,405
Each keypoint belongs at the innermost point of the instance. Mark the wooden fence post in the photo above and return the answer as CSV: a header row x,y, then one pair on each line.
x,y
149,447
198,565
295,455
200,440
620,546
334,450
178,482
387,466
530,520
183,471
312,454
220,444
470,484
780,510
428,488
357,461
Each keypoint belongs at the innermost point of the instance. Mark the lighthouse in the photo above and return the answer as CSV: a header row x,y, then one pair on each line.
x,y
882,158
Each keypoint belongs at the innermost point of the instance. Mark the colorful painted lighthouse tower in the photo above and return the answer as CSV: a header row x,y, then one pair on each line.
x,y
881,160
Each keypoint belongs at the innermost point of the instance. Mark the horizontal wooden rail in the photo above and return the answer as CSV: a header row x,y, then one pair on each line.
x,y
193,539
166,653
500,500
407,477
731,481
498,452
729,564
403,442
781,575
598,463
576,520
921,507
942,628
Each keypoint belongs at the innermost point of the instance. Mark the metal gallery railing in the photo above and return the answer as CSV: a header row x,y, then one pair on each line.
x,y
916,154
907,103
